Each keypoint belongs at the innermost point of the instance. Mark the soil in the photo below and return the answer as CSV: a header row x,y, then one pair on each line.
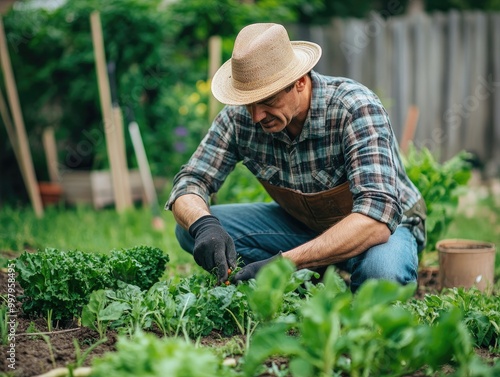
x,y
38,354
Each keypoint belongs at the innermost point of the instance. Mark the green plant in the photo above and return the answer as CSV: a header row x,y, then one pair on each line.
x,y
32,328
47,341
481,312
146,355
161,305
81,357
98,230
62,281
100,312
160,51
141,266
359,335
195,306
441,185
241,187
4,328
49,319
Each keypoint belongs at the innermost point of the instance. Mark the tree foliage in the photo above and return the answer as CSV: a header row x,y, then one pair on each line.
x,y
160,53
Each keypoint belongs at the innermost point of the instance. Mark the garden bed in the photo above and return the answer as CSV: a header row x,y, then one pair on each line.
x,y
38,354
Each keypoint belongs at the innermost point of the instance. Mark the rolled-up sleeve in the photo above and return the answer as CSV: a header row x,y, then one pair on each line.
x,y
368,142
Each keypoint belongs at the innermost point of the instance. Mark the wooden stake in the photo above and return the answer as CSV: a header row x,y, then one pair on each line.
x,y
122,155
26,161
146,176
49,145
214,57
11,132
410,128
121,188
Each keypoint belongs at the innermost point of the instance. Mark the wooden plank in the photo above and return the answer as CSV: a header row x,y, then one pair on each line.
x,y
142,160
354,46
400,76
409,129
11,132
381,63
122,194
27,167
146,176
419,83
476,104
334,54
493,80
435,71
214,62
318,36
121,155
49,146
453,94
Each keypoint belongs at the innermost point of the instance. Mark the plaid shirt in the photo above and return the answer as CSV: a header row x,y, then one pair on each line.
x,y
347,136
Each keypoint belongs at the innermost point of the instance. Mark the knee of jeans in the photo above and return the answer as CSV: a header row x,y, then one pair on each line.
x,y
401,273
184,238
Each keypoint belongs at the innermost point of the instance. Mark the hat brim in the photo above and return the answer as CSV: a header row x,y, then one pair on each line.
x,y
307,56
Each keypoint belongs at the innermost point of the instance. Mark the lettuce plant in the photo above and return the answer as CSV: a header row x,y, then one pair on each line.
x,y
62,281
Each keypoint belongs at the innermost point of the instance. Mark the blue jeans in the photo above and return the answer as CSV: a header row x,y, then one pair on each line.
x,y
261,230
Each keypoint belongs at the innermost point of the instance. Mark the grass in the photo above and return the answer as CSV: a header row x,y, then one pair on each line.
x,y
86,229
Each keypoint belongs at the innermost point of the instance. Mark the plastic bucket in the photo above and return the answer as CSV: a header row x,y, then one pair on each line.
x,y
466,263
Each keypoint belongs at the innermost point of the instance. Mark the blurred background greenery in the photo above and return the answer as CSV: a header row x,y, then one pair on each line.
x,y
160,48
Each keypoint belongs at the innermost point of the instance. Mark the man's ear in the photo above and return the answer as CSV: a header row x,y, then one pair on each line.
x,y
300,84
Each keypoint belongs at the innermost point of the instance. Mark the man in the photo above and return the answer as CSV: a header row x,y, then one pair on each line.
x,y
324,150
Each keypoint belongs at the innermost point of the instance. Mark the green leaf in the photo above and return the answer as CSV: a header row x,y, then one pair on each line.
x,y
271,282
381,292
267,341
113,311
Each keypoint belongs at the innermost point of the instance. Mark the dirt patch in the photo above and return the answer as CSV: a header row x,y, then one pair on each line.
x,y
38,354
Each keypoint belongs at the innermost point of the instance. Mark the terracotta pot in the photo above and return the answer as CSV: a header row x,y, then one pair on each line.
x,y
51,193
466,263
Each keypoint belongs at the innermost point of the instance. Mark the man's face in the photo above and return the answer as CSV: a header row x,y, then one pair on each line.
x,y
276,112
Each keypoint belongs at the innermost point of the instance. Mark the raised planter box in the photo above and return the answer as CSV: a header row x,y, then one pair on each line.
x,y
95,187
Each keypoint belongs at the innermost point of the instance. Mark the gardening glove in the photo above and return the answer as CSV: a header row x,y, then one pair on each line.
x,y
213,247
250,270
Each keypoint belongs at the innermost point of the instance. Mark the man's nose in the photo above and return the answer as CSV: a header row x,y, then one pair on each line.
x,y
257,112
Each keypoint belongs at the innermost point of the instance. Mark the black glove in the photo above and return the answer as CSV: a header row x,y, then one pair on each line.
x,y
250,270
213,247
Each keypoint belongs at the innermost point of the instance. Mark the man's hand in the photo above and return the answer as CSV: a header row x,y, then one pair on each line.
x,y
213,247
250,270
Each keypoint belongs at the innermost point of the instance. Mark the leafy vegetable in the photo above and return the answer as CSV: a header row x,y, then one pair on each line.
x,y
97,314
62,281
196,307
481,312
266,296
138,265
440,185
146,355
359,335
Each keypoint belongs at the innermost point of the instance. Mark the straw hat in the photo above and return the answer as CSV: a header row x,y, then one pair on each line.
x,y
264,62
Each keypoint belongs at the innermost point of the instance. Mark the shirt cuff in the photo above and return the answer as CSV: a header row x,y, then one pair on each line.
x,y
380,208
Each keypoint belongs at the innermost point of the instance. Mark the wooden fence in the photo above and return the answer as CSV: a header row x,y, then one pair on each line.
x,y
448,65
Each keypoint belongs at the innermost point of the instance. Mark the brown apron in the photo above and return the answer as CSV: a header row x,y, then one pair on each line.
x,y
319,211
